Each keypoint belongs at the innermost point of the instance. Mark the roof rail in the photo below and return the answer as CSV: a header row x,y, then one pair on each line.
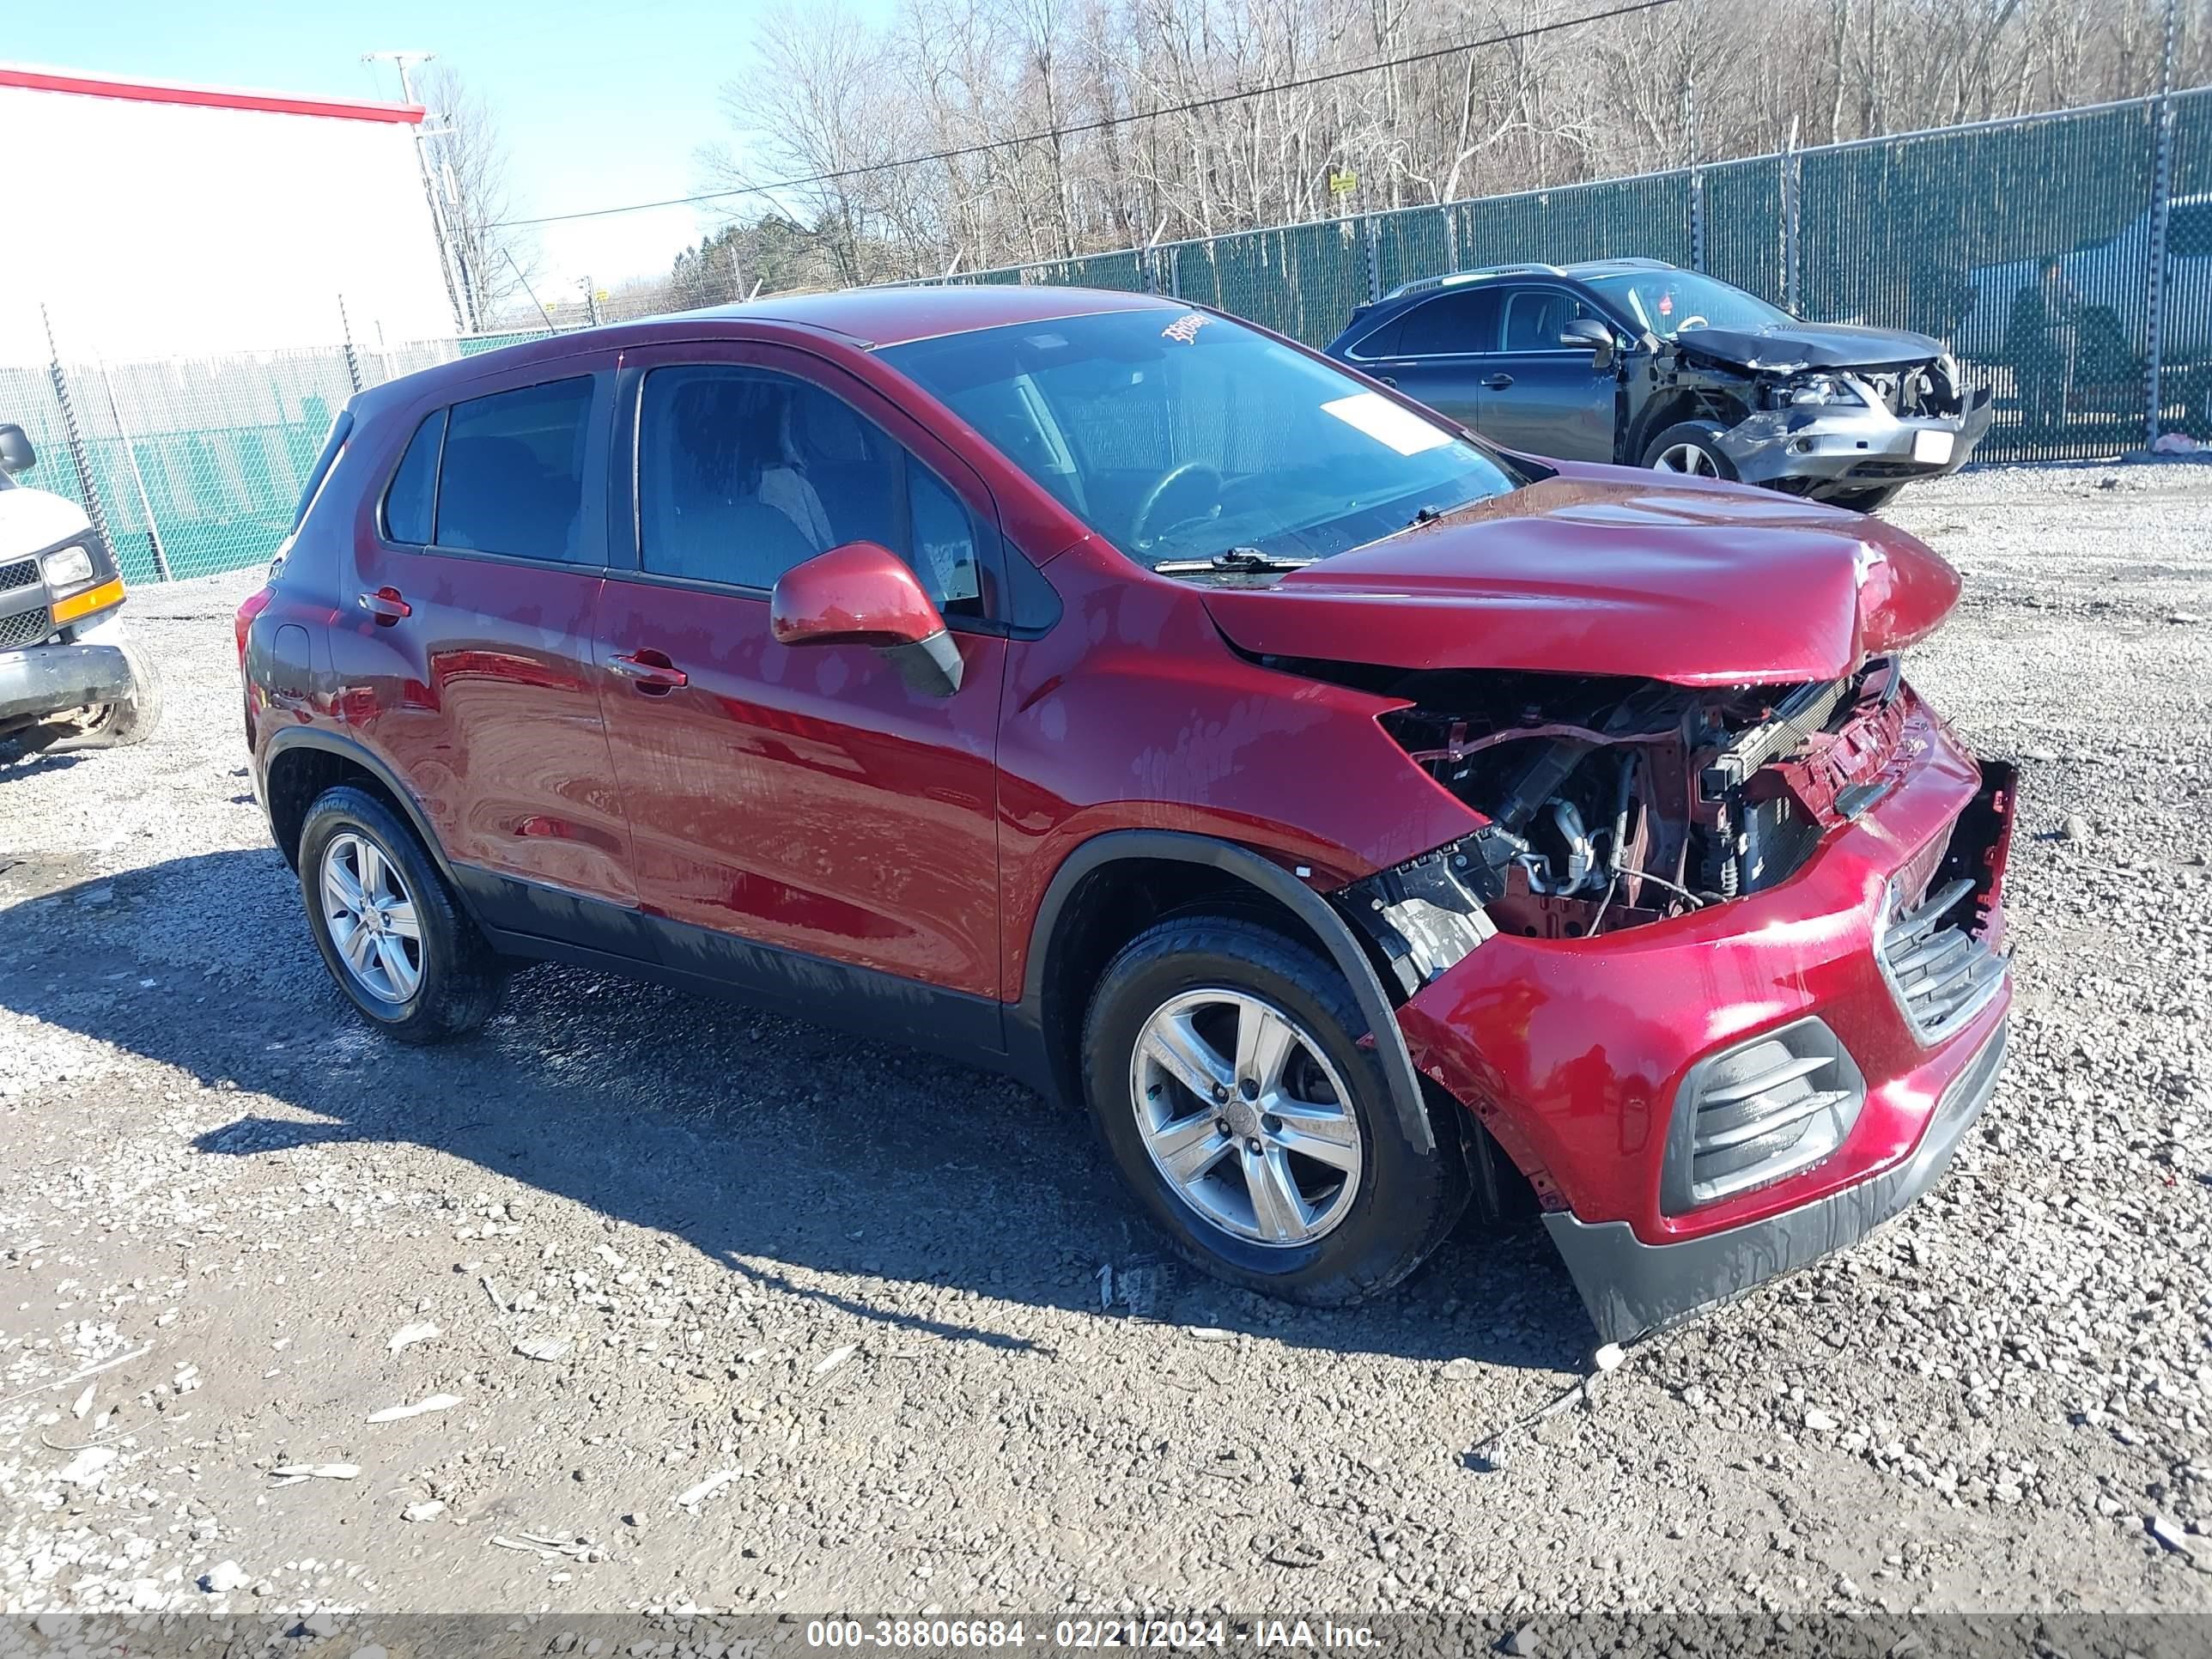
x,y
1424,284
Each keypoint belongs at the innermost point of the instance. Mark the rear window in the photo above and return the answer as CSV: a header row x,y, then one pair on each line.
x,y
1464,321
512,480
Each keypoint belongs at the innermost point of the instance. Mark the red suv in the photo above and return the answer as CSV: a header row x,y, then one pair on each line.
x,y
1350,814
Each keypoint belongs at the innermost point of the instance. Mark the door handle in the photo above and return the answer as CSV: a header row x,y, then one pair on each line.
x,y
650,672
385,606
1498,382
1387,379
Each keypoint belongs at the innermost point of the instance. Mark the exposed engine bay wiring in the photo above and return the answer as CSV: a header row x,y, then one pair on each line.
x,y
1611,803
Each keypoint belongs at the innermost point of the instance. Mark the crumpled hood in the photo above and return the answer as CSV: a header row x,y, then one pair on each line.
x,y
1610,570
32,521
1810,345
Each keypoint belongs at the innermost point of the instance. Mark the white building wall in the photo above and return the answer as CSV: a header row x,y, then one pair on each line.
x,y
154,229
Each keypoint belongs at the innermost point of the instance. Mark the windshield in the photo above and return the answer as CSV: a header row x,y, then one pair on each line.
x,y
1183,435
1667,302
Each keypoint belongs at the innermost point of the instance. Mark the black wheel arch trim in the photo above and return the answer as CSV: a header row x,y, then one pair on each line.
x,y
1026,1028
285,739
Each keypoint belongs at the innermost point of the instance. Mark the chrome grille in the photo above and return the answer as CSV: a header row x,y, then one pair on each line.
x,y
1941,971
22,573
1761,1110
25,628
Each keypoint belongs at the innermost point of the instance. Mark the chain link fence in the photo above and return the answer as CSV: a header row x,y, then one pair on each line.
x,y
191,466
2066,258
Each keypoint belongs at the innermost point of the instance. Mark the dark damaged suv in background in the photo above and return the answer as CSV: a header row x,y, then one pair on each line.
x,y
1360,822
1636,361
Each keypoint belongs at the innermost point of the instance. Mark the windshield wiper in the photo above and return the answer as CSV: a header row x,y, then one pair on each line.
x,y
1237,560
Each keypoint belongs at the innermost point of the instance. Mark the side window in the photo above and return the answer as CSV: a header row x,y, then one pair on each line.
x,y
946,553
1463,320
513,476
413,495
1380,341
2189,230
1535,316
744,473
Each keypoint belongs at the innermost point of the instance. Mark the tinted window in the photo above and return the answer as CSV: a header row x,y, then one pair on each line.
x,y
1179,436
1381,342
1464,321
414,491
512,479
1534,317
744,473
2189,230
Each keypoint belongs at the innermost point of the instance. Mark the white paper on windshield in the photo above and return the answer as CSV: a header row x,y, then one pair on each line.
x,y
1384,422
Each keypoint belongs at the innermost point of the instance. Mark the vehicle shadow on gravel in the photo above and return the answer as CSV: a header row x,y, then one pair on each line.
x,y
907,1191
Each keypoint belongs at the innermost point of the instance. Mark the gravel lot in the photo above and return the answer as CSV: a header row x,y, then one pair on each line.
x,y
745,1315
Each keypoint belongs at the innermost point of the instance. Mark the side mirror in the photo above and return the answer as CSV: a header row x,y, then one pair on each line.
x,y
1589,332
863,594
16,454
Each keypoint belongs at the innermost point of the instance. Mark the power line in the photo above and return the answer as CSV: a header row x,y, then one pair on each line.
x,y
1099,125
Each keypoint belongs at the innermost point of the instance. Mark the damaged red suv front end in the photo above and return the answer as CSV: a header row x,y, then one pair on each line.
x,y
1721,966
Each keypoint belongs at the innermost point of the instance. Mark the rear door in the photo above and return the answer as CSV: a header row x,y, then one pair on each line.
x,y
464,646
1541,397
804,799
1440,351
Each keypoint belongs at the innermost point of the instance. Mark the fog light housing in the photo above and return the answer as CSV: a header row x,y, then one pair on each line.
x,y
1767,1108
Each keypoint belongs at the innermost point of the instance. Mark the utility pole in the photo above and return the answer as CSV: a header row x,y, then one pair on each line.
x,y
452,262
2161,212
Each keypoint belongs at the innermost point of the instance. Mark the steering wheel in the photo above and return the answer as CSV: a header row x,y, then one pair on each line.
x,y
1175,477
1698,321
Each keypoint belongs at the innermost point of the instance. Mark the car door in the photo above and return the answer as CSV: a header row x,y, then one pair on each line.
x,y
465,649
1438,351
803,821
1541,397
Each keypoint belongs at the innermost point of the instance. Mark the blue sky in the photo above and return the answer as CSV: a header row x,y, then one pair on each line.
x,y
600,104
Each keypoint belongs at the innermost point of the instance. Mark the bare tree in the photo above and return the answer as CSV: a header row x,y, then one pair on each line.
x,y
1058,127
469,168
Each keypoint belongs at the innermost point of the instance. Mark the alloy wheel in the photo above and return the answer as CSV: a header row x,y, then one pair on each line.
x,y
372,919
1686,458
1245,1117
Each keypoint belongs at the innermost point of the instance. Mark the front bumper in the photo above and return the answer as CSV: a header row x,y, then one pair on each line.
x,y
1578,1054
1830,448
1630,1287
50,679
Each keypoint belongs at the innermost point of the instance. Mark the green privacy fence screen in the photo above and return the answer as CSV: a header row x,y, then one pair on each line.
x,y
1962,233
2091,228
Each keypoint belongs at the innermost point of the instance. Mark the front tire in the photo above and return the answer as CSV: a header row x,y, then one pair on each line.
x,y
1690,449
1223,1070
120,725
392,933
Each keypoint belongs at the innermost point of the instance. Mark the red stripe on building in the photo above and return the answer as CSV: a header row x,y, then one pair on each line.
x,y
170,92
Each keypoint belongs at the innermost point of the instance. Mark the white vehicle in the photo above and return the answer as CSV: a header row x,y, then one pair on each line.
x,y
2113,276
69,679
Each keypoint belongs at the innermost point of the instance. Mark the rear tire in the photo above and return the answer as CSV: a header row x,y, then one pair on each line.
x,y
1323,1200
1690,449
120,725
391,933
